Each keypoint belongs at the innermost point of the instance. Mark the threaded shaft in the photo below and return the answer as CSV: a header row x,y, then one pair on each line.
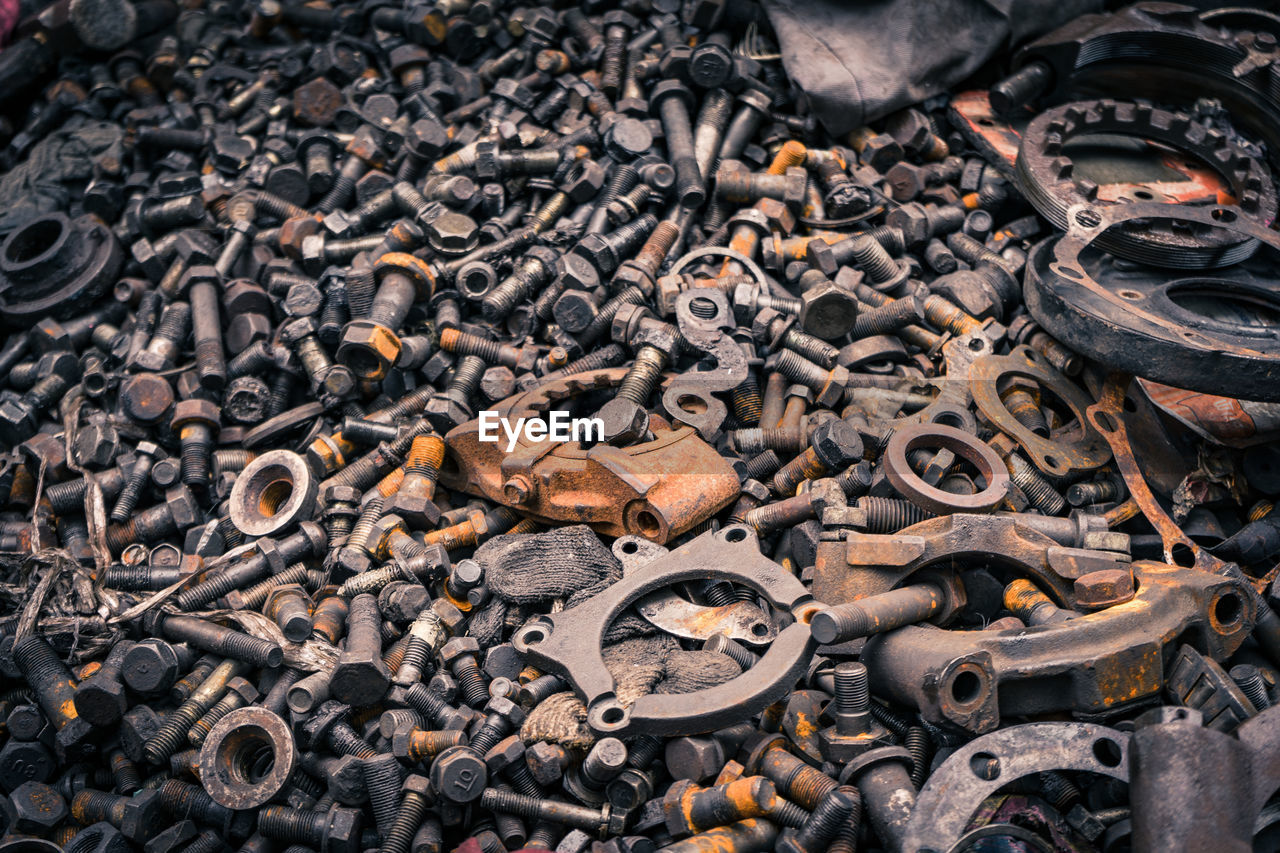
x,y
918,744
799,369
731,649
853,693
888,318
846,838
288,824
796,780
488,736
1037,489
643,376
806,466
1249,680
873,259
631,295
889,515
344,741
471,682
426,455
382,779
407,820
464,343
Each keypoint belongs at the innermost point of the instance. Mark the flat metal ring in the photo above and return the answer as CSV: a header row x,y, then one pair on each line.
x,y
911,437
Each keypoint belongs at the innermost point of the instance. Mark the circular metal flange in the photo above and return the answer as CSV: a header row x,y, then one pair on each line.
x,y
911,437
1082,449
247,758
56,266
273,493
1045,176
983,766
1134,320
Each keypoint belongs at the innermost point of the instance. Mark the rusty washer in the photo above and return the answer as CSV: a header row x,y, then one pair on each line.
x,y
274,492
247,758
915,436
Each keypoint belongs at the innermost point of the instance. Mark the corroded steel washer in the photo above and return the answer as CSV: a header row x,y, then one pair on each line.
x,y
1045,175
273,493
55,266
568,643
911,437
1135,324
247,759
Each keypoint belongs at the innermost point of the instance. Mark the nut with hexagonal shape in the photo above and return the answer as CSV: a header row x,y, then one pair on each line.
x,y
33,808
827,310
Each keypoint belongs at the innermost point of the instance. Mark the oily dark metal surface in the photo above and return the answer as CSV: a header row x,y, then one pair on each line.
x,y
568,643
56,266
1142,329
247,758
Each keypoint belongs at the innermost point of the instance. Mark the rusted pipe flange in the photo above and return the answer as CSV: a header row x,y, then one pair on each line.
x,y
1135,322
568,643
55,266
248,758
1063,454
911,437
274,492
981,767
1045,176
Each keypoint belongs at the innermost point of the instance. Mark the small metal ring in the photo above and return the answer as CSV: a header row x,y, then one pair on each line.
x,y
233,766
910,486
273,493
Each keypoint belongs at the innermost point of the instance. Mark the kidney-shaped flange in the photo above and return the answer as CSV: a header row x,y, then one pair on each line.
x,y
568,643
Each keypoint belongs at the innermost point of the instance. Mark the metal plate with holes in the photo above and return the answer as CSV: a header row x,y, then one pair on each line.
x,y
705,318
1045,175
1065,453
670,612
568,643
1135,323
980,768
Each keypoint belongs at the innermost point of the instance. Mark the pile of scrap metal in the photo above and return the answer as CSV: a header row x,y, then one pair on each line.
x,y
924,494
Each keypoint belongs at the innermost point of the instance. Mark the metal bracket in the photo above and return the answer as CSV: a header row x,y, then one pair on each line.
x,y
568,643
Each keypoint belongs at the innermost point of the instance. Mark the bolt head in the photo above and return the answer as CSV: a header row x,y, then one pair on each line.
x,y
342,833
34,808
828,310
143,816
837,444
195,411
444,413
505,753
295,231
841,749
369,349
459,774
457,647
583,181
624,421
793,186
453,233
426,139
418,511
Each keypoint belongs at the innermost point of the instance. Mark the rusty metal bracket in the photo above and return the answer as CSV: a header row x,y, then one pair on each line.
x,y
705,316
1091,664
1107,416
981,767
568,643
865,564
1066,452
657,489
668,611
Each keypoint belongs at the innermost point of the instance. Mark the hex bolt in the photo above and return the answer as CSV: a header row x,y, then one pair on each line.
x,y
672,102
272,556
196,422
507,759
690,809
344,184
827,384
328,725
531,273
1021,403
100,699
1023,599
137,817
184,687
739,185
239,694
172,734
421,746
139,477
602,821
1038,490
618,26
383,777
359,676
607,251
54,688
878,613
605,760
336,380
165,345
800,783
289,606
334,831
779,331
459,655
219,640
465,343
